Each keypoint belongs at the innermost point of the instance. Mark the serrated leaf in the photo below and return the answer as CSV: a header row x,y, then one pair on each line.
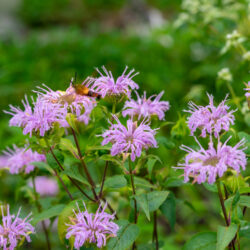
x,y
126,236
116,181
202,241
225,236
49,213
168,209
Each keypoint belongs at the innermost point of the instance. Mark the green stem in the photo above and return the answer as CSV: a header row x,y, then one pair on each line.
x,y
134,193
103,179
39,209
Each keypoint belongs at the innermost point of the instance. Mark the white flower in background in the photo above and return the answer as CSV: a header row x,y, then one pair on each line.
x,y
225,75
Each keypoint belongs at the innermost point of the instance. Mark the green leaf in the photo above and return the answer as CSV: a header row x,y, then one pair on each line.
x,y
74,173
210,187
225,236
168,209
245,201
201,241
52,162
166,142
174,182
42,165
116,181
155,199
72,121
247,138
67,145
244,229
143,203
140,182
112,159
126,236
49,213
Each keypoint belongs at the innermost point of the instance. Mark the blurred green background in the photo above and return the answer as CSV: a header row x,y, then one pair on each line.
x,y
175,45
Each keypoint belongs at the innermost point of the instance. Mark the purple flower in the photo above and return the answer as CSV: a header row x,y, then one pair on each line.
x,y
131,139
20,159
45,186
40,120
210,119
13,229
91,228
105,85
205,165
73,103
247,94
144,107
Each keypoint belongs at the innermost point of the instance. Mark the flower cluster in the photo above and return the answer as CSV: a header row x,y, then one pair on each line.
x,y
45,186
106,85
146,108
210,119
205,165
91,228
20,159
131,139
13,229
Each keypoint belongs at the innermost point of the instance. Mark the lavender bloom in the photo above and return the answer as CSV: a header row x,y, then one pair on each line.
x,y
20,159
105,85
45,186
70,101
210,119
131,139
144,107
40,120
91,228
205,165
13,229
247,94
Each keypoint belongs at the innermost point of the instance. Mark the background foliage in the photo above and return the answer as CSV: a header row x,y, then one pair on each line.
x,y
177,46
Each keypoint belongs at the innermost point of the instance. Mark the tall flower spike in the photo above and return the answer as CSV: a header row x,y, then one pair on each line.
x,y
13,229
20,159
205,165
131,139
146,108
45,186
106,85
91,228
210,119
40,120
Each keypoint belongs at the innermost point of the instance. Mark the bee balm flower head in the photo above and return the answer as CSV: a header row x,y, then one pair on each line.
x,y
106,85
13,229
210,119
131,139
20,159
205,165
146,108
91,228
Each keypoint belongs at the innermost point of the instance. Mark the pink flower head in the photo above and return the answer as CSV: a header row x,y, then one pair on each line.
x,y
247,94
205,165
146,108
70,101
91,228
105,85
131,139
45,186
210,119
20,159
40,120
13,229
